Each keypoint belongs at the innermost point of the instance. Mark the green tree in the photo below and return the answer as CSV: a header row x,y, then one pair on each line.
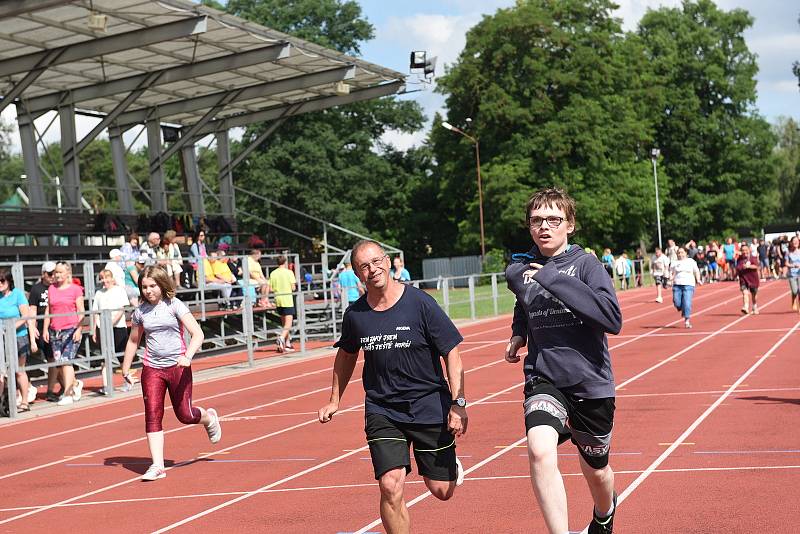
x,y
715,147
787,154
554,91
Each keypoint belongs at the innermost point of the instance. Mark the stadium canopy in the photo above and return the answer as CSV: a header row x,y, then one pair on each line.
x,y
175,66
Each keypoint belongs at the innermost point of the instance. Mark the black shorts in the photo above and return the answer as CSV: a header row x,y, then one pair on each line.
x,y
661,280
745,287
286,310
389,441
587,422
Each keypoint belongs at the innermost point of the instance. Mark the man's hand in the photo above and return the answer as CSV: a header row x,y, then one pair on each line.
x,y
327,411
512,348
183,361
457,421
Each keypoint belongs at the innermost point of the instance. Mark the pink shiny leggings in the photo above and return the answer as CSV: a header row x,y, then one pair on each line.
x,y
155,383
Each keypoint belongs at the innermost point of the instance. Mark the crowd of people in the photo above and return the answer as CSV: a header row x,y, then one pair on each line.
x,y
60,297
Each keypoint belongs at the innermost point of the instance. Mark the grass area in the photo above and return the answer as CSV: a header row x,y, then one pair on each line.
x,y
484,306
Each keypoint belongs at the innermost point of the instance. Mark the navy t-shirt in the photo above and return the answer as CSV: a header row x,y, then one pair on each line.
x,y
403,346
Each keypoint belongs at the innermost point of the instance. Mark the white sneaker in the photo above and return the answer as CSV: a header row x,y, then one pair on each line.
x,y
281,344
214,429
460,475
659,300
66,400
154,472
687,323
31,393
77,390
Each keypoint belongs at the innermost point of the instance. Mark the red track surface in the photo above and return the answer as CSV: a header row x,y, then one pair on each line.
x,y
706,440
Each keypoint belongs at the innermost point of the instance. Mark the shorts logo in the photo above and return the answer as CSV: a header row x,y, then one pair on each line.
x,y
594,451
544,406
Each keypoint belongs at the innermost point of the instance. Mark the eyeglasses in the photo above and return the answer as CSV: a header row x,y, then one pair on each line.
x,y
552,221
375,262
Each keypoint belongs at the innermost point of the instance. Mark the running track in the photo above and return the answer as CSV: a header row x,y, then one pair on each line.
x,y
706,440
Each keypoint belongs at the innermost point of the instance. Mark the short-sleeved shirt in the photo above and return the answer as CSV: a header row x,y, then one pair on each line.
x,y
254,269
794,257
403,346
405,276
62,300
38,297
222,270
129,281
683,272
113,298
163,331
349,282
660,265
749,277
280,281
9,308
763,251
711,256
730,251
118,272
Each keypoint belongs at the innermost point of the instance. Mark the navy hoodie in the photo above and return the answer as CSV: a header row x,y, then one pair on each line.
x,y
564,312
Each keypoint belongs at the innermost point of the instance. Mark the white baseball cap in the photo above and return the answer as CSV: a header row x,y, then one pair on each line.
x,y
114,252
48,267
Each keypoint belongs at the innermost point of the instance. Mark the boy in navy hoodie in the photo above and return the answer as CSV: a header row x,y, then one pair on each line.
x,y
565,306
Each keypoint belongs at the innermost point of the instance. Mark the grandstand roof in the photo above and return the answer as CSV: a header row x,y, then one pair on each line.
x,y
162,60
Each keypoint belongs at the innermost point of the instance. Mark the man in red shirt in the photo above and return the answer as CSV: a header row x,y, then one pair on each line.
x,y
747,269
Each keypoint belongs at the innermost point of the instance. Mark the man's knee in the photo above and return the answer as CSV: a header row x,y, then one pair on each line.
x,y
542,446
391,484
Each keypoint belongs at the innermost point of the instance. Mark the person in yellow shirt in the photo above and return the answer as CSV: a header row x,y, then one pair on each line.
x,y
219,276
283,283
257,277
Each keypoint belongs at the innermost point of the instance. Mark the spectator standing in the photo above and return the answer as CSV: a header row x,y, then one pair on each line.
x,y
638,267
197,252
116,266
747,269
283,283
38,297
659,267
114,298
729,250
132,280
691,248
161,320
685,275
793,274
130,250
63,332
711,258
702,264
620,267
174,256
608,261
763,258
350,284
14,305
399,272
672,251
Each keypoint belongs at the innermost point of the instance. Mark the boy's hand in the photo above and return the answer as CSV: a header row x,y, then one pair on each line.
x,y
514,344
535,267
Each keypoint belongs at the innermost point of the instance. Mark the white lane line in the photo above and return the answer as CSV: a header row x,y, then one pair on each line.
x,y
523,440
205,455
297,475
173,498
686,433
675,394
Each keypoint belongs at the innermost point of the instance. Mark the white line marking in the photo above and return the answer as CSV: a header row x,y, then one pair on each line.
x,y
664,455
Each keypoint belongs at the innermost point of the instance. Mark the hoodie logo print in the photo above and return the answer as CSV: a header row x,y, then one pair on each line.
x,y
527,277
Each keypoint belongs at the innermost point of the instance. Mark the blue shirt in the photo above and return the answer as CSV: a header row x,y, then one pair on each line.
x,y
794,258
9,307
349,282
405,276
730,250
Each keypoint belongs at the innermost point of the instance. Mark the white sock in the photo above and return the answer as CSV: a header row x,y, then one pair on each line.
x,y
611,511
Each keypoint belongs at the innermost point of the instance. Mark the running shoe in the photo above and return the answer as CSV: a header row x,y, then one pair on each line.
x,y
687,323
460,475
289,347
52,397
77,390
755,310
154,472
659,300
602,525
281,344
214,429
66,400
744,311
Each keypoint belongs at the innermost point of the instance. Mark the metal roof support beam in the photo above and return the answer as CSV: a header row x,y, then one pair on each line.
x,y
295,83
315,104
120,163
105,45
173,74
191,173
47,59
72,181
158,192
30,156
13,8
226,195
227,169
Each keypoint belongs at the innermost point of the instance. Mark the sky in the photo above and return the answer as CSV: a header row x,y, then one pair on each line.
x,y
439,27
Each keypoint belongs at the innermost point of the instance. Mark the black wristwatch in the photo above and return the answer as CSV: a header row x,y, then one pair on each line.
x,y
461,402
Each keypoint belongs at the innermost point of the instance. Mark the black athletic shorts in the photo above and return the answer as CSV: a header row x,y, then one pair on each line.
x,y
286,310
389,442
587,422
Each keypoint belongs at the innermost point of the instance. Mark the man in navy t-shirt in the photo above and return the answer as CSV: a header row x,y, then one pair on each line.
x,y
404,335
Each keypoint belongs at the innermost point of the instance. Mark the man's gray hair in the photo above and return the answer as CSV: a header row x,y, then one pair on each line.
x,y
361,244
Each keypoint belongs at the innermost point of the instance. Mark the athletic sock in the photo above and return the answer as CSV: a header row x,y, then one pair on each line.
x,y
607,514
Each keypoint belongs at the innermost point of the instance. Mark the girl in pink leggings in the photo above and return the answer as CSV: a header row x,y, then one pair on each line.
x,y
161,320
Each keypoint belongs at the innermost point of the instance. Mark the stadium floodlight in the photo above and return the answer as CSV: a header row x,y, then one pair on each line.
x,y
418,58
447,126
97,22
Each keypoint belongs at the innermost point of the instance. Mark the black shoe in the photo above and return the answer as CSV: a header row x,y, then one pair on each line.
x,y
603,525
52,397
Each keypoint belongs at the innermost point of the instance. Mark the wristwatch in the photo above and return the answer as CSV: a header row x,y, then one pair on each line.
x,y
461,402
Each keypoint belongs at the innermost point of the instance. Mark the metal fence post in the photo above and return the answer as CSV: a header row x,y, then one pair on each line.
x,y
10,334
247,311
494,292
471,283
301,307
446,295
89,289
107,349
